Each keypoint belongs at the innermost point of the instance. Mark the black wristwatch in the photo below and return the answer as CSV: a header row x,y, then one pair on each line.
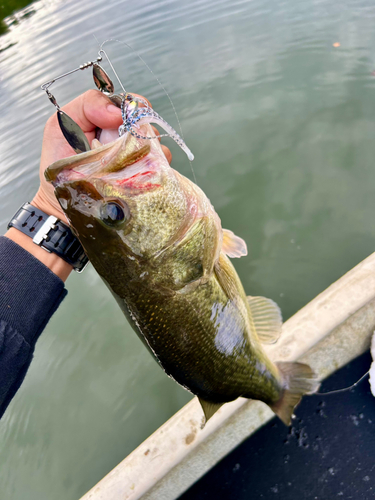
x,y
50,234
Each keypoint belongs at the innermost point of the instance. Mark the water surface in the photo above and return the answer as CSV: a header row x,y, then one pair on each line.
x,y
282,126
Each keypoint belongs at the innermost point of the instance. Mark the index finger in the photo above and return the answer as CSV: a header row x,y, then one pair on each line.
x,y
93,109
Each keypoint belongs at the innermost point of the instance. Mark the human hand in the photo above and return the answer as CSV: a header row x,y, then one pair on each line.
x,y
90,110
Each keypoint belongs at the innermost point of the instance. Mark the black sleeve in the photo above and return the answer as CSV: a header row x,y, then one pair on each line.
x,y
29,294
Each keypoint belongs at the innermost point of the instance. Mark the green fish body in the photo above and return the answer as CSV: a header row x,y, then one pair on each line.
x,y
156,241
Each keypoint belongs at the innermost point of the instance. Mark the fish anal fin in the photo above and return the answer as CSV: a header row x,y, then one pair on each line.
x,y
298,379
267,318
233,245
209,408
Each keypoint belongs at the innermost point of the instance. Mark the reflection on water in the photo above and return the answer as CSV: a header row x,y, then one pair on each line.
x,y
281,123
13,12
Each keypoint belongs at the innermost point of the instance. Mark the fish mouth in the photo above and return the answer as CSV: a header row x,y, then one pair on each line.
x,y
126,161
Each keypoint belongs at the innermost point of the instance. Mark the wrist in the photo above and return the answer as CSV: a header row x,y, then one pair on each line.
x,y
52,260
55,263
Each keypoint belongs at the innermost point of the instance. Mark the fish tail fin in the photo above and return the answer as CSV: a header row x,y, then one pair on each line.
x,y
298,379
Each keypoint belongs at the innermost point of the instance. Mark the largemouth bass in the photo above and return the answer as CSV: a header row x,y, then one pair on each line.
x,y
157,242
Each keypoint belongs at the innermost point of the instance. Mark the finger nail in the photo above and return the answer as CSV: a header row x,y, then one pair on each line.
x,y
111,108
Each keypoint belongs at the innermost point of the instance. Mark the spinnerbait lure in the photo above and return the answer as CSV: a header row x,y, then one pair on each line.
x,y
133,115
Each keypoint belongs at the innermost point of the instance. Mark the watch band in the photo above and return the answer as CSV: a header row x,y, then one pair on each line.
x,y
51,234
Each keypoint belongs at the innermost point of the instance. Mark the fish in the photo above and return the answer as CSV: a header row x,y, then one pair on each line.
x,y
156,241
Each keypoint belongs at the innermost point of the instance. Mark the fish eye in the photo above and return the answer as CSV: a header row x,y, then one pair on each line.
x,y
112,214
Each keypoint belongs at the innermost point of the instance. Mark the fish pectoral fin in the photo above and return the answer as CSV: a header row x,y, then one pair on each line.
x,y
233,245
267,319
209,408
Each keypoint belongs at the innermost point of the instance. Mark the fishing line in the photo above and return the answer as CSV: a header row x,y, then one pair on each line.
x,y
156,78
102,51
341,390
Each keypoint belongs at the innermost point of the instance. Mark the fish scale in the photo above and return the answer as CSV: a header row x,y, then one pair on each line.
x,y
178,343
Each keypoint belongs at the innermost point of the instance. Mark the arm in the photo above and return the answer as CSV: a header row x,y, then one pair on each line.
x,y
29,294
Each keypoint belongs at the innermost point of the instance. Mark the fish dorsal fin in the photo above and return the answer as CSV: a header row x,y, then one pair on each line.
x,y
233,245
209,408
267,319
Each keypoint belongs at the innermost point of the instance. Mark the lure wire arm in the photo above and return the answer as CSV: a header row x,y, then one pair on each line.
x,y
69,128
86,65
102,51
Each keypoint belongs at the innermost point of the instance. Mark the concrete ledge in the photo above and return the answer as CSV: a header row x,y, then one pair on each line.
x,y
327,333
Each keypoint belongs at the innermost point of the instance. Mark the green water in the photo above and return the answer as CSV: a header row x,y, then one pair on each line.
x,y
282,125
